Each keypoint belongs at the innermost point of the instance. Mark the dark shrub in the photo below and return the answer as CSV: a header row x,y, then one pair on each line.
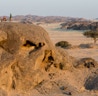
x,y
86,45
63,44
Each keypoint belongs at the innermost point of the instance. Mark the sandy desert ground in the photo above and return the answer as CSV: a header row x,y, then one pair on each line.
x,y
73,37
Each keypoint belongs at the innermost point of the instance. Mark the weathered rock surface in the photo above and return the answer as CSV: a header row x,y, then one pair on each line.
x,y
26,55
86,62
91,82
31,66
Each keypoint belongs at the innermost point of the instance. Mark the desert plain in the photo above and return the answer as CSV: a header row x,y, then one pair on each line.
x,y
75,38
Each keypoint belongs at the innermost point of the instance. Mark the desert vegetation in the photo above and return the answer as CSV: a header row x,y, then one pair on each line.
x,y
6,18
10,18
92,34
63,44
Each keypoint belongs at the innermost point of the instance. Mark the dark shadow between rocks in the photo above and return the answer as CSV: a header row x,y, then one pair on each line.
x,y
29,44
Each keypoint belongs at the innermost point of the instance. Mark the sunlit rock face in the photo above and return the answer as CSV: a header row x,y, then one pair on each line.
x,y
26,55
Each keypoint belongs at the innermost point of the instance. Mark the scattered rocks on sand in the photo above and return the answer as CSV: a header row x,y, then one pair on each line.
x,y
86,62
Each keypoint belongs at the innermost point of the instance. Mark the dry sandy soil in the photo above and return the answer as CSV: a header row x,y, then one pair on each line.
x,y
73,37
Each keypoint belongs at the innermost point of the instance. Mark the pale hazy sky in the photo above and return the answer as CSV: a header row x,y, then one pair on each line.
x,y
71,8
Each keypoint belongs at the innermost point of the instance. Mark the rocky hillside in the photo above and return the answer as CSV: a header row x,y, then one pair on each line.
x,y
80,25
46,19
31,66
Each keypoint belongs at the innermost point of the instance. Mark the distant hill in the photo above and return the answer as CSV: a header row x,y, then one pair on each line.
x,y
46,19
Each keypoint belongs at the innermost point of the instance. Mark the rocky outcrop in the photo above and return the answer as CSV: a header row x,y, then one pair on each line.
x,y
31,66
26,55
80,25
91,82
86,62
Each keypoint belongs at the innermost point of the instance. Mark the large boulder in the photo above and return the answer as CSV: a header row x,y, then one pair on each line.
x,y
91,82
26,55
86,62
